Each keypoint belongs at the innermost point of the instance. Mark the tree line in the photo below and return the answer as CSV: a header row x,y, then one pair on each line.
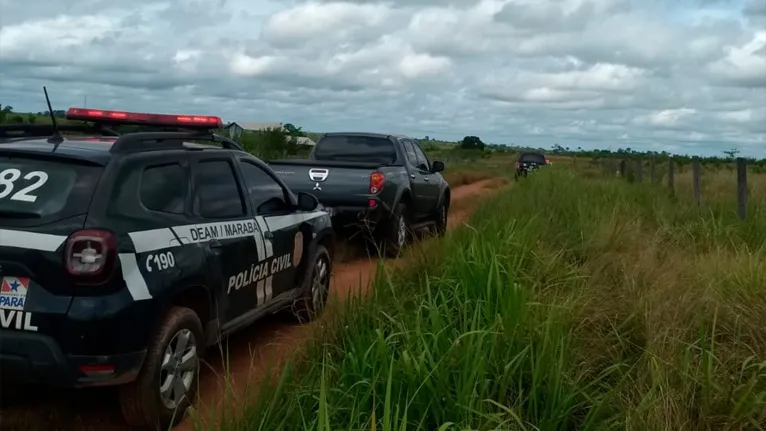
x,y
283,143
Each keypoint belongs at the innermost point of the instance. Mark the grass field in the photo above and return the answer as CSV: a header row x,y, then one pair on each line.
x,y
571,301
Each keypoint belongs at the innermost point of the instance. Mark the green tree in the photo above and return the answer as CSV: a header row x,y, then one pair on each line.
x,y
269,144
732,153
294,131
472,143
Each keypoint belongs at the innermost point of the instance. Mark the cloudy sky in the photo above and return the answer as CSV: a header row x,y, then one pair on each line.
x,y
685,76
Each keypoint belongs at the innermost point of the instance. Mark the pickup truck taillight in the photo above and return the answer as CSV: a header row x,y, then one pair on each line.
x,y
377,179
90,255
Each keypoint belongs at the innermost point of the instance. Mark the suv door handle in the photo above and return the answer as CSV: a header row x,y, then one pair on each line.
x,y
215,244
425,177
268,235
412,176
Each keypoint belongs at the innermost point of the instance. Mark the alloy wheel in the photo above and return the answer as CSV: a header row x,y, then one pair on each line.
x,y
179,366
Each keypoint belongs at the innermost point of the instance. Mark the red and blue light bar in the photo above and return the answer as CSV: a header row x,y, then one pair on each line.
x,y
146,119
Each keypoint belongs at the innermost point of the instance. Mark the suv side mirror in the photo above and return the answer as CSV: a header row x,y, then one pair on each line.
x,y
437,166
307,201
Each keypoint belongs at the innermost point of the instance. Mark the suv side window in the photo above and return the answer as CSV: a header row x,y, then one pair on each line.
x,y
217,192
266,195
409,149
163,188
423,162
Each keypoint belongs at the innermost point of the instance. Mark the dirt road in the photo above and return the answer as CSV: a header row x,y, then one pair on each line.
x,y
252,354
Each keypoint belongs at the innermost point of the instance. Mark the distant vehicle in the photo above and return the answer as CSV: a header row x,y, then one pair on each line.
x,y
123,257
381,183
528,162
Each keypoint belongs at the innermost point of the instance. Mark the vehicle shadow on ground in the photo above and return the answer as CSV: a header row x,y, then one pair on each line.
x,y
32,408
245,356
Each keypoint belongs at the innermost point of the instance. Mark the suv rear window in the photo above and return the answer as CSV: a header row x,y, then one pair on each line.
x,y
349,148
35,188
532,157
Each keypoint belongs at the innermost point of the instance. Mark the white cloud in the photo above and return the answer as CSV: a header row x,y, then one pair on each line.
x,y
62,32
744,65
670,117
654,75
311,21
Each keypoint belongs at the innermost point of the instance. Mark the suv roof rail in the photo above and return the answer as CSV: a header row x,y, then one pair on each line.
x,y
44,130
148,141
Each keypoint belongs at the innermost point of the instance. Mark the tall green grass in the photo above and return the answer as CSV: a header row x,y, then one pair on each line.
x,y
568,303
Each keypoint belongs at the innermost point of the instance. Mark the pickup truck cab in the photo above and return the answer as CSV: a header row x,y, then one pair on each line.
x,y
384,184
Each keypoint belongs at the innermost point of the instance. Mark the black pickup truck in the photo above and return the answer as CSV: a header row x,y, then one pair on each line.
x,y
384,184
528,162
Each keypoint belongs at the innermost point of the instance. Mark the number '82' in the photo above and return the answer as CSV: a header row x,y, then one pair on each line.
x,y
8,180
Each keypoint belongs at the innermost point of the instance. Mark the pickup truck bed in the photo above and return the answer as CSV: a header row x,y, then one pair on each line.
x,y
335,184
374,182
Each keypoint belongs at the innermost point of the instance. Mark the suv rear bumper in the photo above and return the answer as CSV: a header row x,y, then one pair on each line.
x,y
38,359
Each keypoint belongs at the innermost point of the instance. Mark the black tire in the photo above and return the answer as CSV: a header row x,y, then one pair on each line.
x,y
314,288
440,218
141,400
397,231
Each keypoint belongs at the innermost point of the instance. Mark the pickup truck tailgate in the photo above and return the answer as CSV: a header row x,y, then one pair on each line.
x,y
333,183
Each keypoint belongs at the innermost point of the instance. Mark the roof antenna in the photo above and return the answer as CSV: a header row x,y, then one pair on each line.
x,y
56,138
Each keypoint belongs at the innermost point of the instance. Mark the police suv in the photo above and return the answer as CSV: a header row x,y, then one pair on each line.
x,y
124,256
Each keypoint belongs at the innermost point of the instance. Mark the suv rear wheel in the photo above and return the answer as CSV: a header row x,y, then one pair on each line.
x,y
314,288
167,383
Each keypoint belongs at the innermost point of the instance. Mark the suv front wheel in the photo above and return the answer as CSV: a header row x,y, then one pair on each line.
x,y
167,383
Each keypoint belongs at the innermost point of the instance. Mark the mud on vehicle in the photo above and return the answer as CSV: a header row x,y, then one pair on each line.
x,y
124,256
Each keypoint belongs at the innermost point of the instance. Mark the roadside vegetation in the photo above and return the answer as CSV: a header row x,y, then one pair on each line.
x,y
571,301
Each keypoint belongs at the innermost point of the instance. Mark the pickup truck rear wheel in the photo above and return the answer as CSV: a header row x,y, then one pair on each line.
x,y
441,219
397,231
167,383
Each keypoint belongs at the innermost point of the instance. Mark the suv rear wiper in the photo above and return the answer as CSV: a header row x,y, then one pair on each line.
x,y
18,214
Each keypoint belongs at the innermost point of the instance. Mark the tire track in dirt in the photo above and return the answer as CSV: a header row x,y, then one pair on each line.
x,y
254,354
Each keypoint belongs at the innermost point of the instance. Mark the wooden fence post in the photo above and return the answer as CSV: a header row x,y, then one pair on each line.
x,y
742,187
622,168
696,169
652,176
639,171
671,176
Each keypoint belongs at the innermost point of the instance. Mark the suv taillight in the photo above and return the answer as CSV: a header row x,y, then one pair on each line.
x,y
90,254
377,179
518,165
547,161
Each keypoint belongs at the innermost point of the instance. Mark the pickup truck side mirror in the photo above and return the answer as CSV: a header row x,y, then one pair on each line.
x,y
307,201
437,166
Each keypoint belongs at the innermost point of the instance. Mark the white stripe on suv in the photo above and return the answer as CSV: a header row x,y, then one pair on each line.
x,y
158,239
